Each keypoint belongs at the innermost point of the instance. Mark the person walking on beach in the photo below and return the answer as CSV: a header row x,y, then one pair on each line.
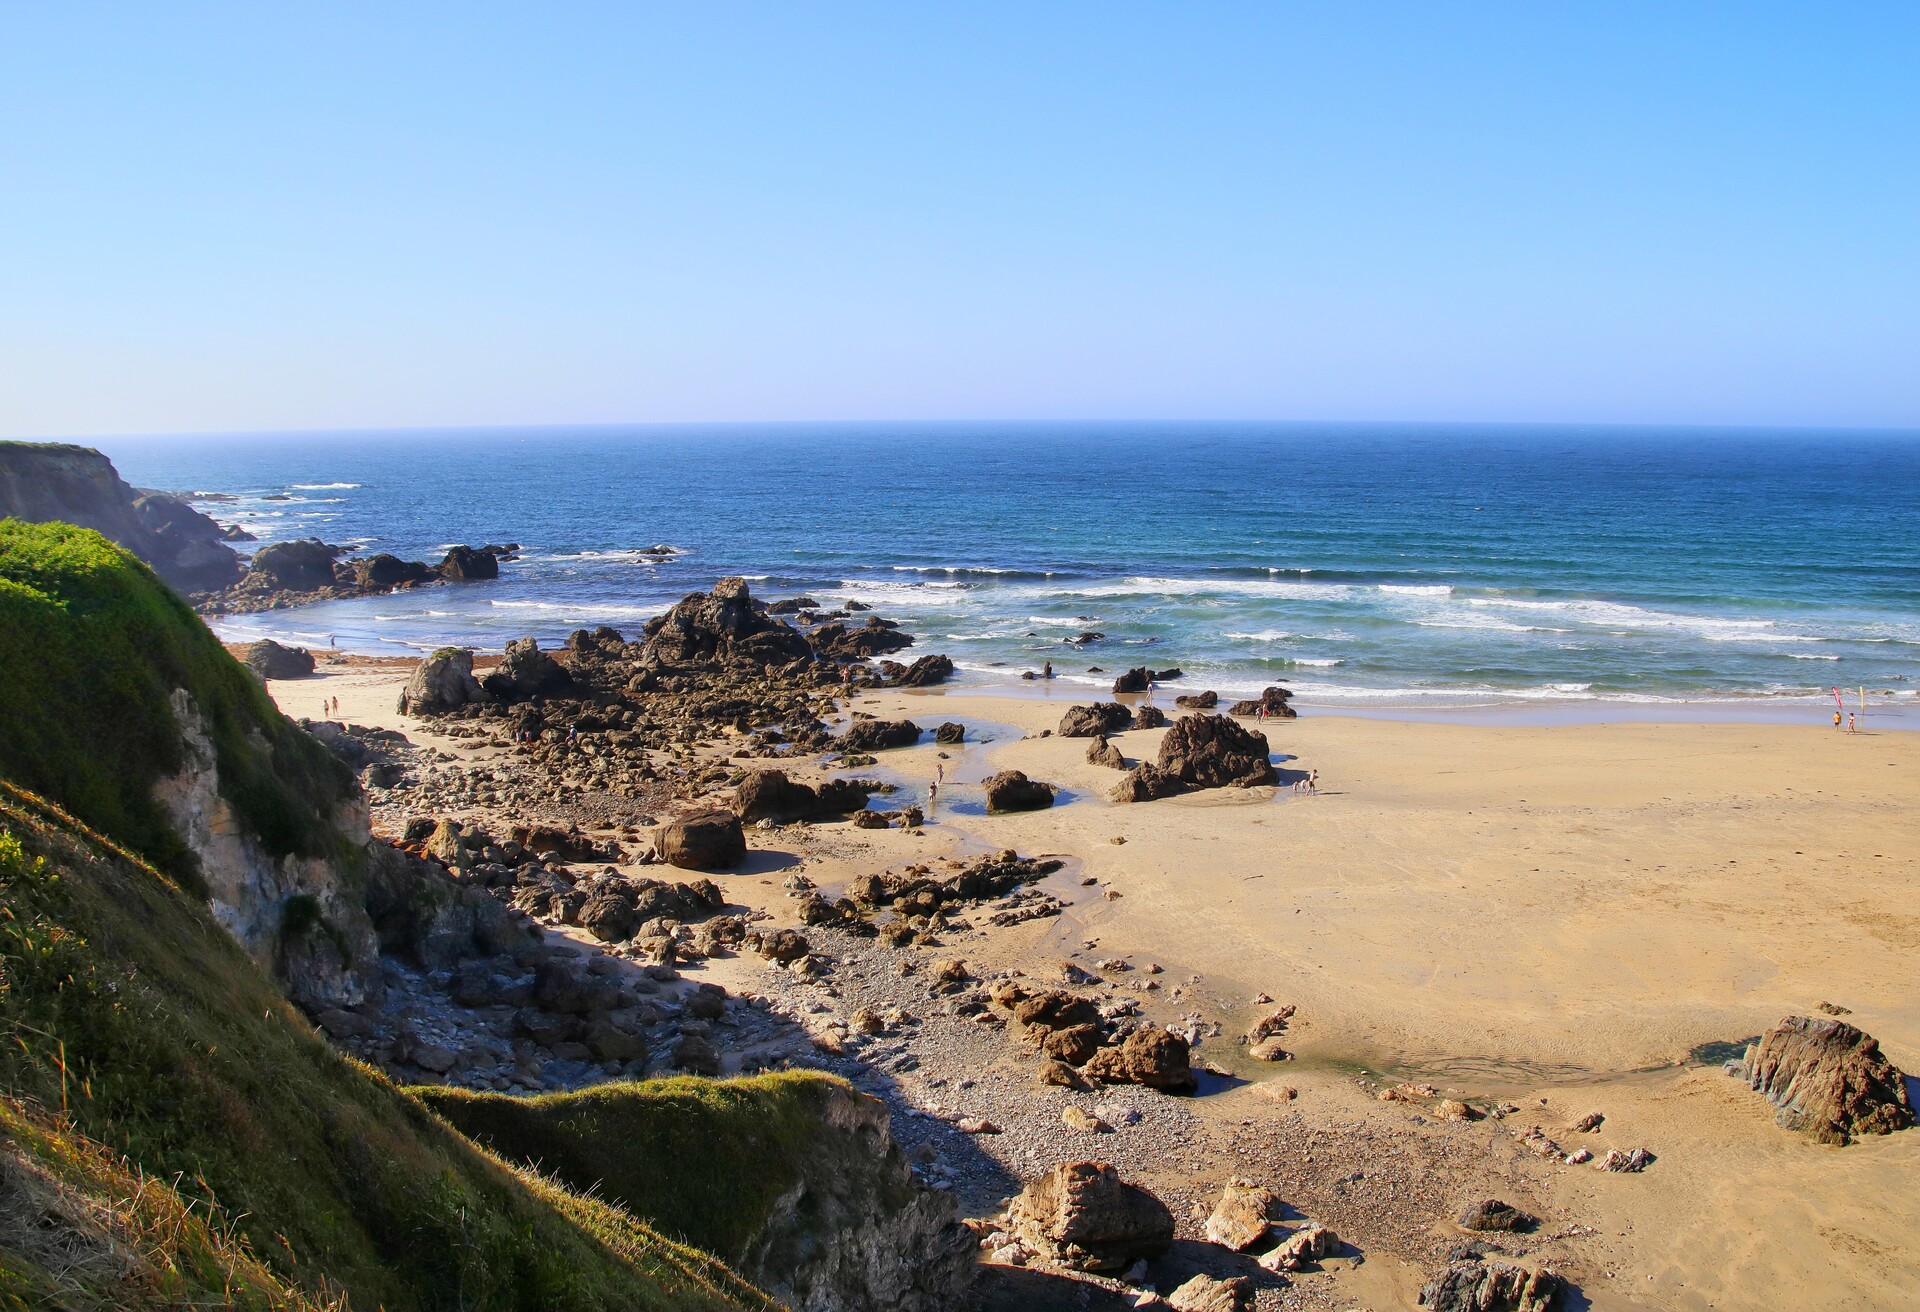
x,y
1046,670
1836,722
1313,781
933,796
1850,724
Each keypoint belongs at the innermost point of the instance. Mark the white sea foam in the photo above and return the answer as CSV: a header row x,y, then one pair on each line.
x,y
1419,589
320,487
1261,635
1322,662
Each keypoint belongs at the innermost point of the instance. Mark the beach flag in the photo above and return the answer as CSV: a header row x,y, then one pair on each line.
x,y
1838,705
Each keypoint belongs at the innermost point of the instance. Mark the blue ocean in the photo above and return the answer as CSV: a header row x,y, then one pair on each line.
x,y
1362,565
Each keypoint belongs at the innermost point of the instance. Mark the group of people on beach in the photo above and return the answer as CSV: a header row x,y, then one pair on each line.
x,y
329,707
1852,724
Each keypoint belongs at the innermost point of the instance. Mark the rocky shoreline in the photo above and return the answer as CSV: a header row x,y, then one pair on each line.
x,y
655,806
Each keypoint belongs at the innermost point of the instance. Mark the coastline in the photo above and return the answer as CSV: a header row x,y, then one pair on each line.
x,y
1556,915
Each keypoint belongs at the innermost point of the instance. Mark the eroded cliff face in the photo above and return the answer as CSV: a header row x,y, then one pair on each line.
x,y
46,482
857,1232
302,918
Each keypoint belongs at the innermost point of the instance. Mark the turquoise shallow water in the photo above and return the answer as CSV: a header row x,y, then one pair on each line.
x,y
1364,565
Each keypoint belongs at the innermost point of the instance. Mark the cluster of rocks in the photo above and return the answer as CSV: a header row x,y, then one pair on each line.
x,y
1087,1042
283,574
1197,751
611,716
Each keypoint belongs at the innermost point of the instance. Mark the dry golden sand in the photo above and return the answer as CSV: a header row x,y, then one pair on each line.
x,y
1556,913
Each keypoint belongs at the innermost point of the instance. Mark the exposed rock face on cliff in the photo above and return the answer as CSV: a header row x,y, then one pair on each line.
x,y
807,1193
1828,1080
301,917
48,482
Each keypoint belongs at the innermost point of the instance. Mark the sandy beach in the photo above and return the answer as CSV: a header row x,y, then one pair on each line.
x,y
1574,918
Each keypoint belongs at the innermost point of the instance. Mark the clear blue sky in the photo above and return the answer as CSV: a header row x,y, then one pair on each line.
x,y
255,216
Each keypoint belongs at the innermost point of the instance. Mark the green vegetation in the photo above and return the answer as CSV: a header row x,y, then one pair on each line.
x,y
703,1160
92,644
136,1023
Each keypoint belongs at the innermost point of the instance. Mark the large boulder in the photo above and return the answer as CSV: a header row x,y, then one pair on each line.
x,y
723,625
927,671
1092,721
1146,782
467,564
1243,1216
526,671
385,571
1101,751
1492,1214
1490,1287
1138,679
1149,717
1828,1080
1211,751
1150,1056
1082,1215
1011,790
1204,1293
711,840
876,637
770,795
1272,703
271,660
1198,701
303,566
877,735
443,682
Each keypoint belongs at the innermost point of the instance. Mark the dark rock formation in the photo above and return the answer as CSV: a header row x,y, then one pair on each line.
x,y
877,735
1102,752
1492,1214
303,566
384,572
949,733
927,671
525,671
1828,1080
1138,679
1198,701
726,624
1490,1287
1146,782
1272,702
271,660
1082,1215
1149,717
1211,751
770,795
876,637
711,840
1011,790
1092,721
44,482
466,564
441,683
1149,1056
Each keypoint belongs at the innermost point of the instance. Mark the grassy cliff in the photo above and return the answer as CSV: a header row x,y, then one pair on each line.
x,y
172,1131
91,646
135,1027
